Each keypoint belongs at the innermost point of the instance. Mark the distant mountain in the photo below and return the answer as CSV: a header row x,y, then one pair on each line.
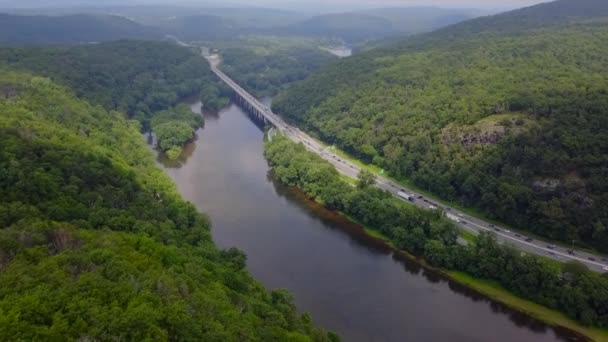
x,y
419,19
378,23
200,27
348,26
546,15
17,29
507,114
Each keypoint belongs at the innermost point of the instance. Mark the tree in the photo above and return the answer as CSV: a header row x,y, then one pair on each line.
x,y
365,179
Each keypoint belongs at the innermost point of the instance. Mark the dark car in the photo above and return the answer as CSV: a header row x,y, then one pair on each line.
x,y
448,208
551,246
496,229
517,235
571,252
492,226
419,196
529,240
591,258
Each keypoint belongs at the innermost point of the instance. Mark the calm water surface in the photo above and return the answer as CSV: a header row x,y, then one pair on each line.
x,y
350,284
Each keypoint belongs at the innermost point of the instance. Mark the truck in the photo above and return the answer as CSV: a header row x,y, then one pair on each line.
x,y
405,196
453,217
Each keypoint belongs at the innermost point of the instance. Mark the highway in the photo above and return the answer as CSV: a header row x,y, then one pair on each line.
x,y
464,221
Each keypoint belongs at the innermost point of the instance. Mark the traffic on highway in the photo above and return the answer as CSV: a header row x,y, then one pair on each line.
x,y
467,222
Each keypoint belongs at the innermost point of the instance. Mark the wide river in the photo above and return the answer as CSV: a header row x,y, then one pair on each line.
x,y
351,284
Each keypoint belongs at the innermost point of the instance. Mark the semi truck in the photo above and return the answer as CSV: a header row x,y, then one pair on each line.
x,y
405,196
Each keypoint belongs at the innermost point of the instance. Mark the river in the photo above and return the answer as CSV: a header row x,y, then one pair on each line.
x,y
350,283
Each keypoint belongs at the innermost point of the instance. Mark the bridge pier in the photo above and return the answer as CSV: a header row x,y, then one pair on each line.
x,y
251,109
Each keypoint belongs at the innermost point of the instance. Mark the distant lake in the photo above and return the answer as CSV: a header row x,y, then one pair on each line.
x,y
340,51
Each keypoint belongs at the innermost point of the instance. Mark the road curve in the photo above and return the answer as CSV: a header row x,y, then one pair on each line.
x,y
469,223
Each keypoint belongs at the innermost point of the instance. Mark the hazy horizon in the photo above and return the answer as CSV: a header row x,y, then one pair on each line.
x,y
299,5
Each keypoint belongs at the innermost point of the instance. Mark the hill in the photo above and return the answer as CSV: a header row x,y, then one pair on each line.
x,y
506,114
70,29
96,244
378,23
136,77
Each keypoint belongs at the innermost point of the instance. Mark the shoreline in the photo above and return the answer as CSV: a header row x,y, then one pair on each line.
x,y
492,292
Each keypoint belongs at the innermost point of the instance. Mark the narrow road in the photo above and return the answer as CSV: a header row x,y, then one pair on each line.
x,y
464,221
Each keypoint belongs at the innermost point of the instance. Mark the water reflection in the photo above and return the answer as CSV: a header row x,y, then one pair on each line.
x,y
357,234
350,282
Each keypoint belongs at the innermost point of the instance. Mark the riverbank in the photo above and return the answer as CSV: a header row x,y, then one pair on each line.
x,y
497,293
494,291
489,289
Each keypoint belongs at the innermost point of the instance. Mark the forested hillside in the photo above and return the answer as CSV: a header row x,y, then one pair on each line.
x,y
78,28
96,244
498,113
266,64
137,77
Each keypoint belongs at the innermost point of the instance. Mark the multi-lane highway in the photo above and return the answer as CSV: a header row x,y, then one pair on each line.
x,y
474,225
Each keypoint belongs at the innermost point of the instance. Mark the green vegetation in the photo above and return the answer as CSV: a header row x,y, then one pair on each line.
x,y
96,244
136,77
266,64
575,291
215,96
174,128
506,115
143,79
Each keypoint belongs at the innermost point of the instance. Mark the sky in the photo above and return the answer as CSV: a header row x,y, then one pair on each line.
x,y
405,3
288,4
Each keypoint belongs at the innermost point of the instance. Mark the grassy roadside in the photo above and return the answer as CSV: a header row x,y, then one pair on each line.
x,y
469,211
467,236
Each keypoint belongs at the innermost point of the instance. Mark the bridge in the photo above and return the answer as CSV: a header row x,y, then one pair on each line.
x,y
464,221
253,105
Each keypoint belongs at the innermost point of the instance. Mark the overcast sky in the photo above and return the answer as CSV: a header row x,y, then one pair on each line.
x,y
299,4
403,3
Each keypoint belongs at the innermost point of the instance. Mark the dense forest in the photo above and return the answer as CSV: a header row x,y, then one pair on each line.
x,y
570,288
174,128
96,244
264,65
137,77
495,113
143,79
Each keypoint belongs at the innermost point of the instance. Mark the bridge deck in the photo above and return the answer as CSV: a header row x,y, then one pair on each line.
x,y
251,100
